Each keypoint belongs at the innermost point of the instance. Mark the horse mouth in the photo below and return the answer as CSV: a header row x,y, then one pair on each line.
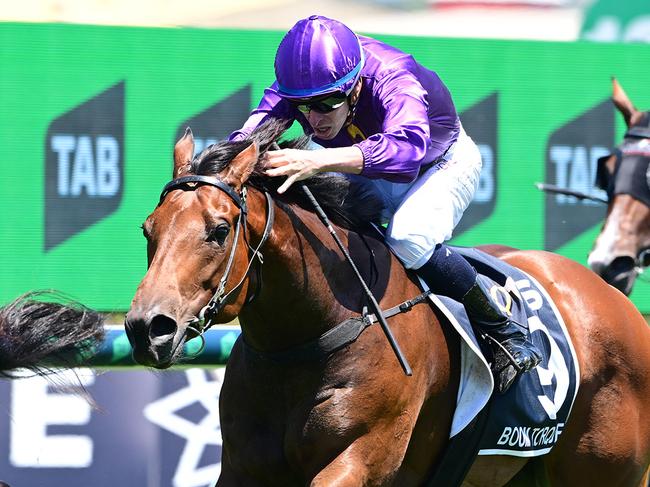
x,y
162,346
624,282
152,358
159,355
621,274
163,365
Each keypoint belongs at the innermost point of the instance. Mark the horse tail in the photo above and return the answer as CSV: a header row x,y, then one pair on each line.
x,y
41,326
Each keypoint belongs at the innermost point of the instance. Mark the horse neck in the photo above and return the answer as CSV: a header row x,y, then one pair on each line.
x,y
307,287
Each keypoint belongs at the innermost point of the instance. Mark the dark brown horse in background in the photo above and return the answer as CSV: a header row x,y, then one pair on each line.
x,y
40,328
352,418
622,248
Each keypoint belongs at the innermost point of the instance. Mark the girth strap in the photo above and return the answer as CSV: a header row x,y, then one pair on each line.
x,y
329,342
335,338
402,307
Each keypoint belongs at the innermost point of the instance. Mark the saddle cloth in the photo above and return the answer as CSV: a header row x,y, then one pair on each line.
x,y
528,419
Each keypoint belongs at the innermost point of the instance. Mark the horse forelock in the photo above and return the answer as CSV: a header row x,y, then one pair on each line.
x,y
348,205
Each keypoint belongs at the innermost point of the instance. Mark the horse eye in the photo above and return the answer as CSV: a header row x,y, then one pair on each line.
x,y
219,233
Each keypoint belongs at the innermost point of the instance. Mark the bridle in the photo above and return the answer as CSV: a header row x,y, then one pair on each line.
x,y
208,313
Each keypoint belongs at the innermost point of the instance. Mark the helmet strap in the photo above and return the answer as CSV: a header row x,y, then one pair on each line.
x,y
352,103
351,112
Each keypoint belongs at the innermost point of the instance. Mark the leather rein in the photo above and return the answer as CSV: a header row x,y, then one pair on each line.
x,y
206,316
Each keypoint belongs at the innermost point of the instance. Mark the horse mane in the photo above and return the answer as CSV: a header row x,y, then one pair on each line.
x,y
347,204
40,326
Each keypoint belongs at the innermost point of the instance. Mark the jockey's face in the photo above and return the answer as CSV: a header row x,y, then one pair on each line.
x,y
327,125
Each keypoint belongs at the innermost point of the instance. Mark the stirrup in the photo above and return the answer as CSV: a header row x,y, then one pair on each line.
x,y
505,351
504,367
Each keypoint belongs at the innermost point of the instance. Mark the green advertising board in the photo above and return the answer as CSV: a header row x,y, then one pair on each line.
x,y
89,116
616,21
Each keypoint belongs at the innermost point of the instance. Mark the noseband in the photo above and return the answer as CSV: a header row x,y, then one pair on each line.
x,y
218,300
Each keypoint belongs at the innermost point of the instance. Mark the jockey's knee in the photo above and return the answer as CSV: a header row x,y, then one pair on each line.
x,y
413,252
414,244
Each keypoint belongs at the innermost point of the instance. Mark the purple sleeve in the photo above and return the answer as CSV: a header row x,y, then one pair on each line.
x,y
271,105
406,141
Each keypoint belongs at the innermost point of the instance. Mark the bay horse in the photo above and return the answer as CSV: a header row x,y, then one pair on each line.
x,y
40,328
622,249
291,416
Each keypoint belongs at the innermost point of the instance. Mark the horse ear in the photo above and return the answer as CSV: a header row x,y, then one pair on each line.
x,y
183,153
241,167
623,103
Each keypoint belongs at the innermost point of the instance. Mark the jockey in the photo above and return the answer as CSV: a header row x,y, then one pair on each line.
x,y
383,117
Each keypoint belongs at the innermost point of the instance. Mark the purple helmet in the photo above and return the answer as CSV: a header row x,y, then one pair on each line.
x,y
316,57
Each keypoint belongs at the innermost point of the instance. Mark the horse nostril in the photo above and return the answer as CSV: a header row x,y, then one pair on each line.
x,y
128,328
621,273
134,326
162,326
597,267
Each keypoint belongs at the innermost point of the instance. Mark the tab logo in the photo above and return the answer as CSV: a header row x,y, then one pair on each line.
x,y
481,124
84,165
572,153
217,122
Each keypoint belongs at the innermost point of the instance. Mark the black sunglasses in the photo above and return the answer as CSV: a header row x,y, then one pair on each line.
x,y
322,105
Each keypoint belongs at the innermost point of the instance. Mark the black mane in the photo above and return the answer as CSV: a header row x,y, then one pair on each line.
x,y
347,204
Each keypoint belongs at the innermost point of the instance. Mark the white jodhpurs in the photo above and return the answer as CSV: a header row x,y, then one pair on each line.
x,y
433,204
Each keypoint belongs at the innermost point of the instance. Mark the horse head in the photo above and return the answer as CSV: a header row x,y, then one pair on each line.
x,y
194,238
203,247
622,246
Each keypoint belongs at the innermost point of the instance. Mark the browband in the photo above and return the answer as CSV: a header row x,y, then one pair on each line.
x,y
212,181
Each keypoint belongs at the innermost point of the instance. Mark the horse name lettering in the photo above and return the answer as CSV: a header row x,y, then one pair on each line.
x,y
547,435
515,436
525,436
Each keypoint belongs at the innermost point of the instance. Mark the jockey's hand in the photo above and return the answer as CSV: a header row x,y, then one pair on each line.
x,y
295,164
298,164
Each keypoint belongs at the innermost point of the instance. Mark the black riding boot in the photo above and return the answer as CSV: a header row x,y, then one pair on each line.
x,y
513,352
448,273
